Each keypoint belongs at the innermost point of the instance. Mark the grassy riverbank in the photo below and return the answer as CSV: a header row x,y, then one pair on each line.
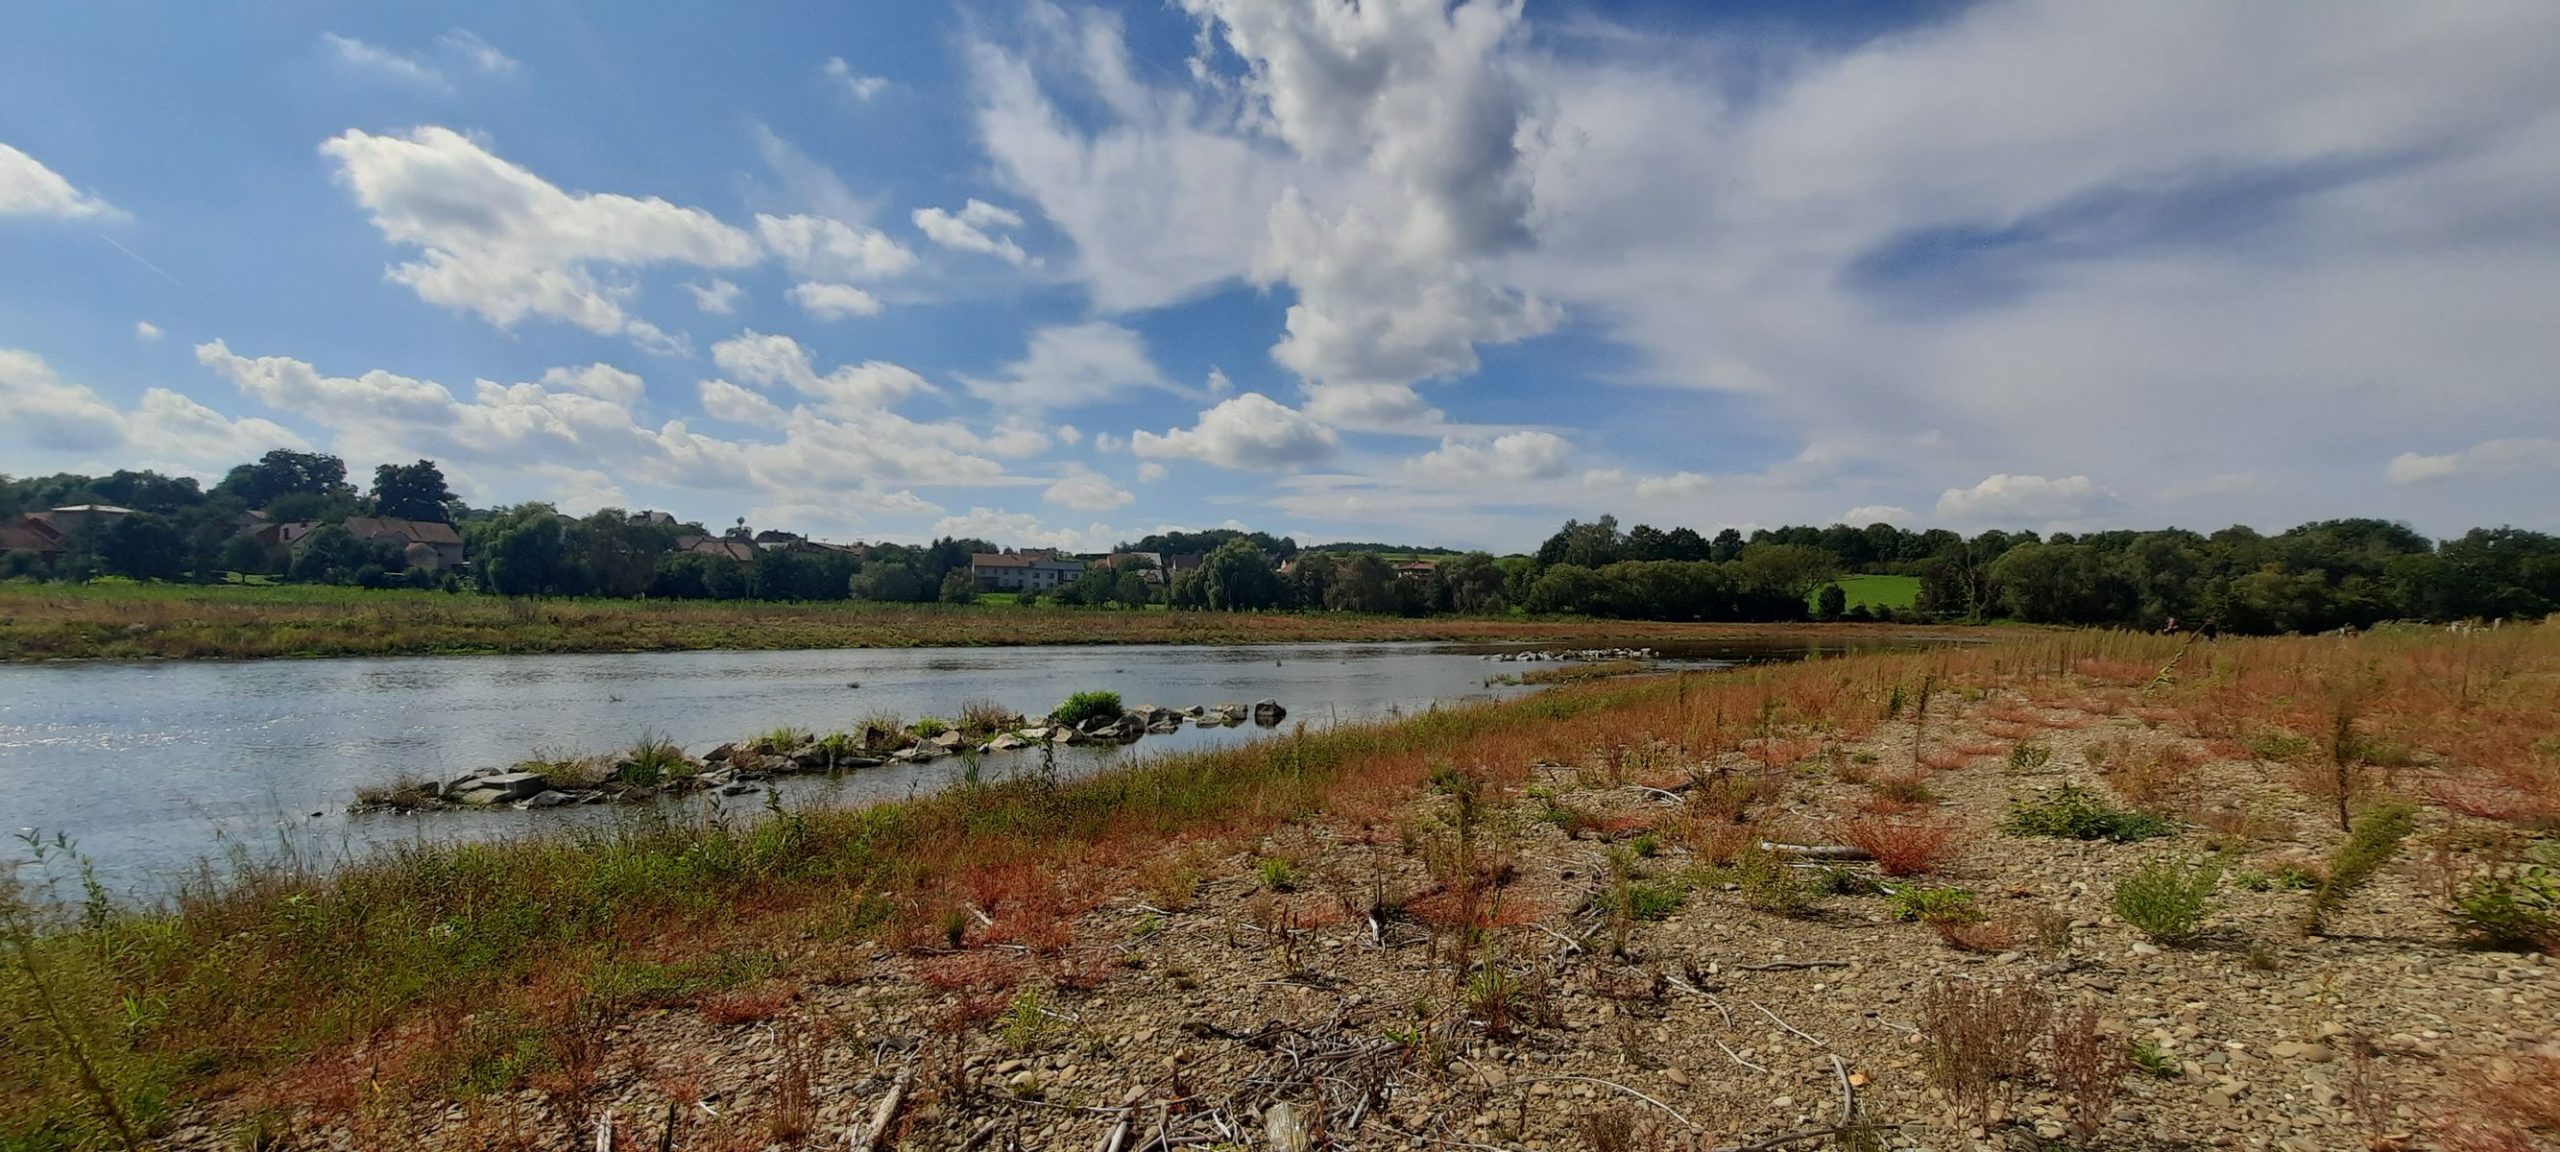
x,y
319,1005
176,621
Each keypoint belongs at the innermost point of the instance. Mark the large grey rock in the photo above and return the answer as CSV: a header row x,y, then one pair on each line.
x,y
503,786
547,799
1268,712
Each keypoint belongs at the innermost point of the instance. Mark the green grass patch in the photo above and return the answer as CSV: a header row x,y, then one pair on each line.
x,y
1894,592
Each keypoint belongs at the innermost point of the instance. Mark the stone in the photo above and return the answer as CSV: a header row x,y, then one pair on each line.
x,y
548,799
1287,1131
505,786
1268,712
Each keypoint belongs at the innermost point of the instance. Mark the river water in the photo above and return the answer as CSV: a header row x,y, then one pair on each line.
x,y
155,769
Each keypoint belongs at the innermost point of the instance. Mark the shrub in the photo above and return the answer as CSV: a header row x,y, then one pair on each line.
x,y
1901,847
984,717
2373,842
2511,908
1277,875
1638,900
2088,1070
1933,905
928,727
651,762
2075,813
1085,706
1768,884
1979,1038
2167,902
2028,756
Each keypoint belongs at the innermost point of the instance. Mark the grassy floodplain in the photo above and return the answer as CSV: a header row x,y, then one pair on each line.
x,y
179,621
466,972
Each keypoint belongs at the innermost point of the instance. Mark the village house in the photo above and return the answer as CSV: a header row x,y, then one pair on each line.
x,y
429,543
1023,572
29,534
1416,569
742,551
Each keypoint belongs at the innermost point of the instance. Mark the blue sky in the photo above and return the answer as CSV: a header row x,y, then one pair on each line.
x,y
1066,273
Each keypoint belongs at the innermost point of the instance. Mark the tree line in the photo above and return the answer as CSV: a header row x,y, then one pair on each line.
x,y
2316,577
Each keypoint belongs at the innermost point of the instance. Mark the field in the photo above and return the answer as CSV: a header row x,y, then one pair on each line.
x,y
1895,592
129,621
2061,890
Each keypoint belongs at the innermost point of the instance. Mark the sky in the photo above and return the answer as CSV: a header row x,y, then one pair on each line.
x,y
1062,274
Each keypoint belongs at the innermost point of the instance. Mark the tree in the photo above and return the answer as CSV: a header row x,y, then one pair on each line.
x,y
1793,569
144,547
410,491
892,581
1235,578
285,472
958,587
530,556
1832,604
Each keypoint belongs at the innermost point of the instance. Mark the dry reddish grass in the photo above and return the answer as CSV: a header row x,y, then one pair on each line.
x,y
1901,847
754,1004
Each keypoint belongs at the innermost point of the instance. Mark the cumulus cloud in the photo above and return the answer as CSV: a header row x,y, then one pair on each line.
x,y
719,297
853,83
498,241
834,301
146,331
28,188
545,434
1866,514
1086,490
1150,472
1164,201
72,424
1024,530
1070,366
825,248
722,400
1512,456
2502,457
602,381
1249,431
851,390
969,230
2003,499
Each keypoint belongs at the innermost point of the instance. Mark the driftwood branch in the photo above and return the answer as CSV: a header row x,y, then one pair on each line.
x,y
1790,965
1737,1058
1848,1095
1816,1041
1817,851
1667,1110
869,1138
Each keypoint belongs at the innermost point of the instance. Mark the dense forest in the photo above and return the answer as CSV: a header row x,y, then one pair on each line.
x,y
2317,577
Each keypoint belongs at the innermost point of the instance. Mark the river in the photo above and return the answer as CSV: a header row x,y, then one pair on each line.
x,y
155,769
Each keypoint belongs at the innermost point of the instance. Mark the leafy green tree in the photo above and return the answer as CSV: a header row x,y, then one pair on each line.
x,y
1235,578
894,582
958,587
1832,603
284,472
142,546
411,491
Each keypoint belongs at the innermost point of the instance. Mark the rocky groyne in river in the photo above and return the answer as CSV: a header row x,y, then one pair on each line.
x,y
653,768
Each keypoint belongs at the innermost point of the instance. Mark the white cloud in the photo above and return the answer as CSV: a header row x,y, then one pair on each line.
x,y
855,84
1086,490
382,62
498,241
1150,472
1865,514
722,400
1510,457
968,230
28,188
545,435
74,425
146,331
2488,458
1071,366
602,381
1024,530
1016,436
834,301
2003,499
1249,431
850,391
481,54
1219,385
825,248
719,297
1163,203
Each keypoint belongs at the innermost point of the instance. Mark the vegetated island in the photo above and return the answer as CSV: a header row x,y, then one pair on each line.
x,y
2108,889
115,620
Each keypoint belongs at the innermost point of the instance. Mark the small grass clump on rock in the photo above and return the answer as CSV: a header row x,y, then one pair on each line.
x,y
1083,706
2167,902
2075,813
